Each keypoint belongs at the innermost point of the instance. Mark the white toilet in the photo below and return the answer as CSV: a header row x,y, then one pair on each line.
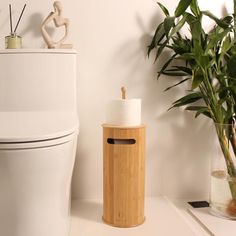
x,y
38,139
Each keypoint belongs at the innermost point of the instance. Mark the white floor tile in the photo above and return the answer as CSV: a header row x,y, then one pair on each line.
x,y
161,220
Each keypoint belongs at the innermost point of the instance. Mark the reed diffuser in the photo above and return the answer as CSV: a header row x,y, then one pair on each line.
x,y
13,41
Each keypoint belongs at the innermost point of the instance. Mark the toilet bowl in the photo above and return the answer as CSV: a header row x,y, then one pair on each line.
x,y
38,139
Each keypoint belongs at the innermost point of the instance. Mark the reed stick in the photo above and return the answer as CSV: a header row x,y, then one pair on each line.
x,y
19,18
10,18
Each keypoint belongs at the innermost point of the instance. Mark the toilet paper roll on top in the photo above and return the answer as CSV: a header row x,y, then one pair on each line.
x,y
124,112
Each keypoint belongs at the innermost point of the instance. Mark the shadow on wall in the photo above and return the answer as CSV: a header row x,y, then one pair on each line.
x,y
88,210
34,25
31,26
139,75
186,160
177,144
184,143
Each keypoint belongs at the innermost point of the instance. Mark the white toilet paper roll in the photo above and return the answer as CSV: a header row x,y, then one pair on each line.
x,y
124,112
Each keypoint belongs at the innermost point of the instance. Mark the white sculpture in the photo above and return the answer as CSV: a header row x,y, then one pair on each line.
x,y
59,21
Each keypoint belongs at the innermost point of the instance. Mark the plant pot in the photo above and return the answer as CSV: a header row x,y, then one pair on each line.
x,y
223,174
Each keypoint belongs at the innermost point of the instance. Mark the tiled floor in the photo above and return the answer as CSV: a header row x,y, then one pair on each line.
x,y
204,222
162,219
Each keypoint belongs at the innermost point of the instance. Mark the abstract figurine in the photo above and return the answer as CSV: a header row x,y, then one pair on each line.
x,y
59,21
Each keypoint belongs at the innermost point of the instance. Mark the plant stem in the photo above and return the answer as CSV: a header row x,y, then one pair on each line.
x,y
232,138
225,148
212,99
232,186
234,19
224,144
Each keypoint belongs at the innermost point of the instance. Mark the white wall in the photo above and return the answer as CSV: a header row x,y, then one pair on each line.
x,y
111,38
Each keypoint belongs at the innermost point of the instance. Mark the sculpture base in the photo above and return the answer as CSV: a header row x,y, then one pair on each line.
x,y
62,46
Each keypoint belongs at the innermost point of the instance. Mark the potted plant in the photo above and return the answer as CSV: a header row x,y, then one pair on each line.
x,y
208,62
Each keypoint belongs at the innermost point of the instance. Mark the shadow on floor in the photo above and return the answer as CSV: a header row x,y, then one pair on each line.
x,y
88,210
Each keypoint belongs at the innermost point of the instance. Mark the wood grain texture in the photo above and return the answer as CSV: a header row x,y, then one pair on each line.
x,y
123,176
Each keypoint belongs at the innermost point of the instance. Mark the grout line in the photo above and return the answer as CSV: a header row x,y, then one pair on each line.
x,y
200,223
192,223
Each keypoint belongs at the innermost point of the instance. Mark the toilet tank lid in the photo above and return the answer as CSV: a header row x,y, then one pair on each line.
x,y
36,126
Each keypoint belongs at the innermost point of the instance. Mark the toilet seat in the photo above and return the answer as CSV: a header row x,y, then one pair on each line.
x,y
38,144
21,130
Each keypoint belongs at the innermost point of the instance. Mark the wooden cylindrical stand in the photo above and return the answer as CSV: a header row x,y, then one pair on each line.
x,y
123,175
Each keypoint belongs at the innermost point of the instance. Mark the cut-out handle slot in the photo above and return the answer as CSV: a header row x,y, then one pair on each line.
x,y
121,141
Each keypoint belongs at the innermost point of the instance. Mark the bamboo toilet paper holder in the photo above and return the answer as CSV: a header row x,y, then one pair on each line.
x,y
123,174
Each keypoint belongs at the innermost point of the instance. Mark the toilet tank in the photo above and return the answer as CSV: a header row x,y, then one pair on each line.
x,y
37,80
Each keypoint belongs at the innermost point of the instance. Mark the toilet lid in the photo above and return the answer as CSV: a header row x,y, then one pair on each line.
x,y
36,126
